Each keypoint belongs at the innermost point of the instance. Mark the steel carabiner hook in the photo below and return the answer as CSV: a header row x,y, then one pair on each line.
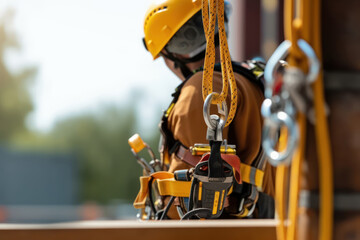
x,y
215,123
278,110
314,64
280,54
273,64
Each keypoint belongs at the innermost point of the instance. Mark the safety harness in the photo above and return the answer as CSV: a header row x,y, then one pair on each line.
x,y
216,174
284,111
191,186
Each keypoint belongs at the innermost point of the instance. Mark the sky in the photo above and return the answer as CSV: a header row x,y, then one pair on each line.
x,y
88,53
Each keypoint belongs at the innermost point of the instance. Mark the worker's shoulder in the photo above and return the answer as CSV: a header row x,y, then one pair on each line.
x,y
196,79
192,88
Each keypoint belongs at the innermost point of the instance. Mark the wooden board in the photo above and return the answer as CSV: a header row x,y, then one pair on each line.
x,y
174,230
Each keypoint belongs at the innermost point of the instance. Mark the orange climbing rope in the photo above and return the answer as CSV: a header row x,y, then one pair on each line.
x,y
296,28
293,27
210,10
322,140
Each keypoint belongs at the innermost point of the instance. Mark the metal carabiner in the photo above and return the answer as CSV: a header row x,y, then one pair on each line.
x,y
314,64
266,108
280,53
214,122
278,110
272,125
276,104
272,65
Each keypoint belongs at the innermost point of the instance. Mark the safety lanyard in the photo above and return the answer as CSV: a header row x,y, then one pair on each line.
x,y
213,177
212,9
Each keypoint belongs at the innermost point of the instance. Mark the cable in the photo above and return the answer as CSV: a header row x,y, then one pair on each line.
x,y
198,212
166,210
152,205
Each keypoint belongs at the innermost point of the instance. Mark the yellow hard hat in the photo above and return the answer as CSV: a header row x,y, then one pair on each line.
x,y
163,19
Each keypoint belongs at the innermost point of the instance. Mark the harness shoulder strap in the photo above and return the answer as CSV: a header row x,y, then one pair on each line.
x,y
251,69
168,144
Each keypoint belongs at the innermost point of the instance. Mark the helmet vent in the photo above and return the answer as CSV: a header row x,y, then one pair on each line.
x,y
153,12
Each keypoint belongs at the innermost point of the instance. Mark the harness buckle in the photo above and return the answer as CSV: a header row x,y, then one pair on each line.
x,y
248,204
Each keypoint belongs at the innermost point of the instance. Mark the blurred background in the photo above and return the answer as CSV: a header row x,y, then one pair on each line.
x,y
75,84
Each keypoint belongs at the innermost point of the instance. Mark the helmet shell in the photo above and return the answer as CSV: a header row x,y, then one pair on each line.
x,y
163,19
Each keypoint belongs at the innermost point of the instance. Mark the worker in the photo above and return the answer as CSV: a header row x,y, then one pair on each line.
x,y
174,31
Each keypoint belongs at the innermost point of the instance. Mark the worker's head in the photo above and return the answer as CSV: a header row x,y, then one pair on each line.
x,y
173,29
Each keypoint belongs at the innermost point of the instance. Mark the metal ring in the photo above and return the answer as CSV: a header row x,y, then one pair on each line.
x,y
266,108
222,110
274,123
280,54
314,64
251,211
269,107
273,64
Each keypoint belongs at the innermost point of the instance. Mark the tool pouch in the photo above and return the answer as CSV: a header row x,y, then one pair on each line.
x,y
212,181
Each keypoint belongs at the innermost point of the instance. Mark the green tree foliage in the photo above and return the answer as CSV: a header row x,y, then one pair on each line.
x,y
108,170
15,100
99,140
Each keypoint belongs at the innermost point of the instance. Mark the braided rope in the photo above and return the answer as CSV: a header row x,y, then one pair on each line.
x,y
210,10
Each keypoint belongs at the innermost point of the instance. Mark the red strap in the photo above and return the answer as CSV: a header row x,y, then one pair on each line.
x,y
231,159
185,155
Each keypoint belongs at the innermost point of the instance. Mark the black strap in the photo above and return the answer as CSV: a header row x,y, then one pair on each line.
x,y
244,71
181,63
215,162
171,145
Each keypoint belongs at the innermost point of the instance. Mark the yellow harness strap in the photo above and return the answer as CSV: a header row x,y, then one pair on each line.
x,y
174,188
169,186
252,175
144,190
140,199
